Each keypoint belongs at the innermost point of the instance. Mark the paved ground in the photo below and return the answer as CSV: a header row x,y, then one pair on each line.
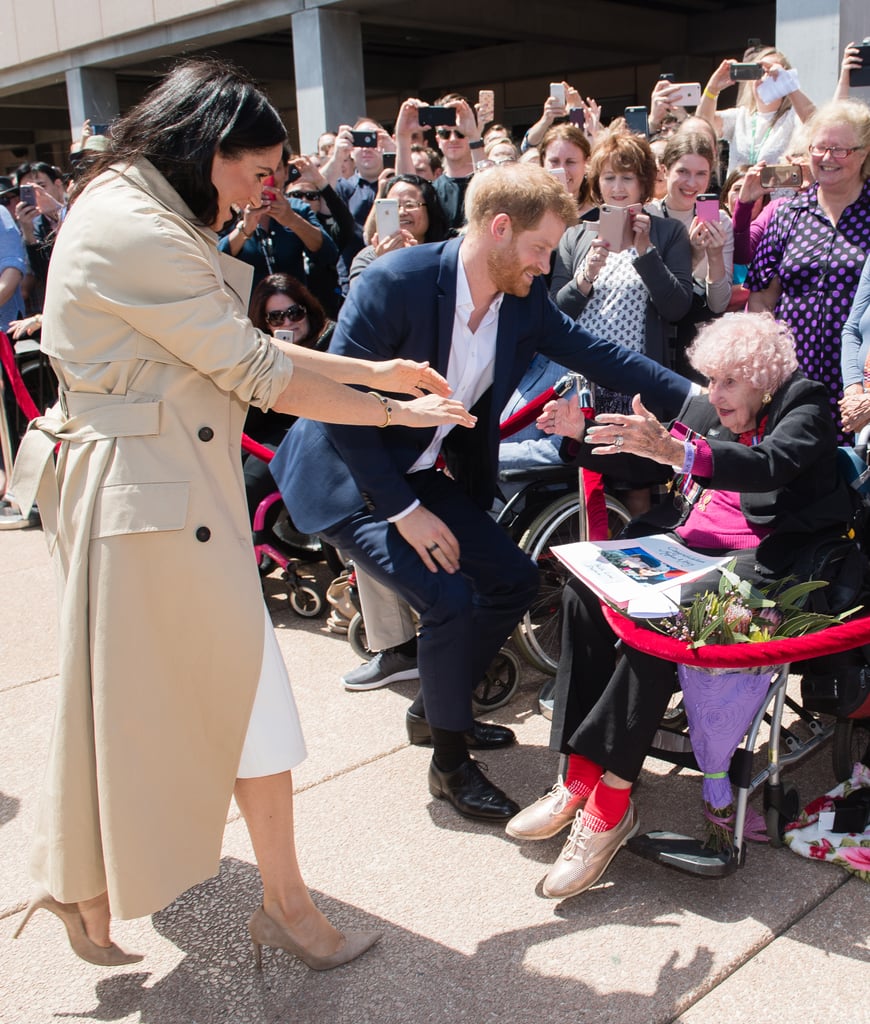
x,y
467,935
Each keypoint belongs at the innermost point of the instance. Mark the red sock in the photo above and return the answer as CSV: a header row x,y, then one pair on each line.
x,y
605,808
582,775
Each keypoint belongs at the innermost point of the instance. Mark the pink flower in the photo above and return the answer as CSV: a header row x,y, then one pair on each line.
x,y
857,856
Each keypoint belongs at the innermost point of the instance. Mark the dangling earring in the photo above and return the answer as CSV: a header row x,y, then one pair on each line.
x,y
766,398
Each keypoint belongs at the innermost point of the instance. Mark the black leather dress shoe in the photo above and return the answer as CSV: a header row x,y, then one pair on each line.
x,y
481,736
471,792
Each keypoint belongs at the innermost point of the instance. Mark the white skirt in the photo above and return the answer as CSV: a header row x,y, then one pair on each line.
x,y
274,741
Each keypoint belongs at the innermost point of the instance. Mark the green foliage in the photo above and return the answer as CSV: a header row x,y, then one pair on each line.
x,y
739,612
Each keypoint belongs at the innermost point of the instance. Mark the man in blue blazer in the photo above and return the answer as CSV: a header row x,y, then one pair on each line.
x,y
477,310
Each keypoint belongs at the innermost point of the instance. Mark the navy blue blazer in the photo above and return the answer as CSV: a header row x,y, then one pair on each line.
x,y
404,306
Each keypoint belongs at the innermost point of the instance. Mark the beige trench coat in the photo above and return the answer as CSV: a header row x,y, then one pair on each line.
x,y
161,614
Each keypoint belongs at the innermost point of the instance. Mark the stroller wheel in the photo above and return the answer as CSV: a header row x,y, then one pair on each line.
x,y
499,684
851,743
356,635
305,601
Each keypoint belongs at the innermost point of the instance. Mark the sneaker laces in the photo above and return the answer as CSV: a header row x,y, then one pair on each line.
x,y
561,795
576,841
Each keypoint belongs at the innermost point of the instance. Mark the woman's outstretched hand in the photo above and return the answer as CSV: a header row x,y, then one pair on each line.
x,y
563,416
407,377
431,411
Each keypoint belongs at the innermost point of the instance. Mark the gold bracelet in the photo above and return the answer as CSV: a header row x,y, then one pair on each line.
x,y
388,409
241,227
710,95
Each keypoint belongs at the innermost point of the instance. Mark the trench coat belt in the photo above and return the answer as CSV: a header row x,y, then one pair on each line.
x,y
79,418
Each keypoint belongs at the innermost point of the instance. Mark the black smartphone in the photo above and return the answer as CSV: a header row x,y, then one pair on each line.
x,y
293,173
746,72
667,76
365,140
861,76
577,115
100,129
637,121
436,117
27,195
389,161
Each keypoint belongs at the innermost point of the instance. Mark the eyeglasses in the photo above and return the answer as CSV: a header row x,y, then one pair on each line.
x,y
409,205
445,133
294,314
309,197
837,152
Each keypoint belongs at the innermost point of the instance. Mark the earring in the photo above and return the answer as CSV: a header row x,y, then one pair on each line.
x,y
766,398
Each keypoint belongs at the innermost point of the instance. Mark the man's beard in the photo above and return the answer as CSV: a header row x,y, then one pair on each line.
x,y
507,274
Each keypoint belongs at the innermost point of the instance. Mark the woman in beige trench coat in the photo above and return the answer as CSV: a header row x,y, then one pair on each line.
x,y
161,613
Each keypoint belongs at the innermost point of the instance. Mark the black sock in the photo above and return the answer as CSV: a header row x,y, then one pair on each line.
x,y
450,749
417,707
408,648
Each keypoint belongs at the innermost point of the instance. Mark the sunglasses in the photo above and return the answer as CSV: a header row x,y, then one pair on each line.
x,y
445,133
294,314
309,197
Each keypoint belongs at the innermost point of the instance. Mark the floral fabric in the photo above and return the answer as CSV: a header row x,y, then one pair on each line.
x,y
850,850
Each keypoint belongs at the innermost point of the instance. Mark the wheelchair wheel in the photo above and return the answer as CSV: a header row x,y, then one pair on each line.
x,y
356,635
498,685
539,634
851,743
304,600
779,810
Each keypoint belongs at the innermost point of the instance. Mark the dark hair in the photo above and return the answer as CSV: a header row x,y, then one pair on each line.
x,y
567,132
433,157
438,227
38,167
286,284
201,108
623,151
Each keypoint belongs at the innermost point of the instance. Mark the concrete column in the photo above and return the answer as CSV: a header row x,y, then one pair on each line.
x,y
93,93
813,34
327,54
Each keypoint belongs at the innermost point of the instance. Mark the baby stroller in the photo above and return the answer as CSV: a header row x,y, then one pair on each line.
x,y
277,543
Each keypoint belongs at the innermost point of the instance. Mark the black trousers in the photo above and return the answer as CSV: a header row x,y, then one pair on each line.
x,y
609,702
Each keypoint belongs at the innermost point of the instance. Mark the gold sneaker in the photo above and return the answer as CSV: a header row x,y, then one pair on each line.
x,y
585,855
548,816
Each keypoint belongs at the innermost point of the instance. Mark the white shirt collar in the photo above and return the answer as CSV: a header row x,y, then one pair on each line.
x,y
464,301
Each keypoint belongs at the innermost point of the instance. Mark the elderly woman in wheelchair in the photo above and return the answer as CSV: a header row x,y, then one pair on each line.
x,y
756,477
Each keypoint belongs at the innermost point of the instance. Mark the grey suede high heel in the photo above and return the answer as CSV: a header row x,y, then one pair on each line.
x,y
82,945
267,932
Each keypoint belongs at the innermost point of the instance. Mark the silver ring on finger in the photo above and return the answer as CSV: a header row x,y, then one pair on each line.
x,y
617,441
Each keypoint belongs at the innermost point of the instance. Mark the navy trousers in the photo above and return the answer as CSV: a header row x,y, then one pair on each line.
x,y
465,617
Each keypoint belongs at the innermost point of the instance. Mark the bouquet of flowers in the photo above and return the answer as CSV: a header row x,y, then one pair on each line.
x,y
741,612
721,702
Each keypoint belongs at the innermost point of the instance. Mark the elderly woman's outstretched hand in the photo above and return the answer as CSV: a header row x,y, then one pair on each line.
x,y
563,416
638,434
407,377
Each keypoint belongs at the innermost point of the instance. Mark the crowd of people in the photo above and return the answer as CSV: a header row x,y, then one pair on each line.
x,y
460,259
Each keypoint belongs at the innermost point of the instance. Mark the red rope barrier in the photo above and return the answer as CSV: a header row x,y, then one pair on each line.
x,y
22,395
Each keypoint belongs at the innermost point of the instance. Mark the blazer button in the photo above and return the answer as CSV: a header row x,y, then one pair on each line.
x,y
205,433
203,533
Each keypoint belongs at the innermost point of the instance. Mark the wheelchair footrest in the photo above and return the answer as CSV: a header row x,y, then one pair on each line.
x,y
684,854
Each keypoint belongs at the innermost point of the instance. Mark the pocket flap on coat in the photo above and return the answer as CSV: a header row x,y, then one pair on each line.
x,y
140,508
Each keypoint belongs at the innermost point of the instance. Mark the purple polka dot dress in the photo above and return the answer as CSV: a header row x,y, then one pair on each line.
x,y
818,266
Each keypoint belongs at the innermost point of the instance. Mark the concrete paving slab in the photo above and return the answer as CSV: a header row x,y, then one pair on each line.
x,y
820,968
